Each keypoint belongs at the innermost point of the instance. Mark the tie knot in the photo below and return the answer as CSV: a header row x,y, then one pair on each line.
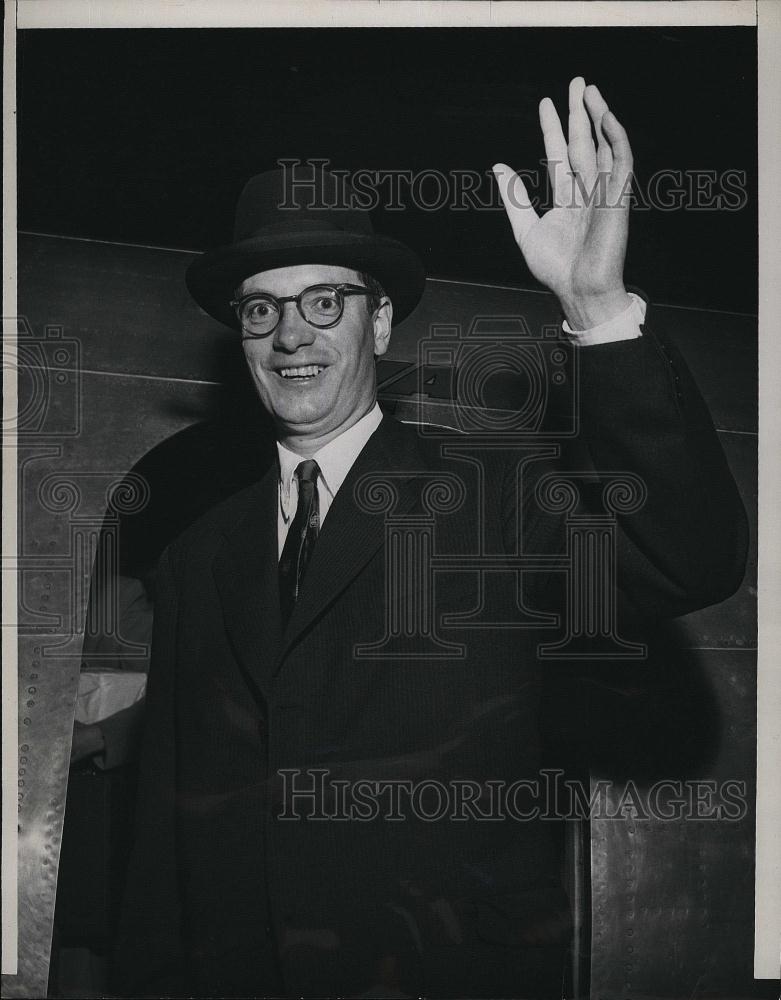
x,y
308,471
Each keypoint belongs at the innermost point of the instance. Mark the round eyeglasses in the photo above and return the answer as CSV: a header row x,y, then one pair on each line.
x,y
320,305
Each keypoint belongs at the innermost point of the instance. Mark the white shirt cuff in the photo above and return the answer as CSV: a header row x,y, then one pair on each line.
x,y
625,326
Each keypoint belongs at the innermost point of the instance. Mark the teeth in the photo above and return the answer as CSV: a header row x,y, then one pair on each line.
x,y
301,371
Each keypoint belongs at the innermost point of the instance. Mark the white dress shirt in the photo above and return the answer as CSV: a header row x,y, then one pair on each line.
x,y
625,326
337,457
335,460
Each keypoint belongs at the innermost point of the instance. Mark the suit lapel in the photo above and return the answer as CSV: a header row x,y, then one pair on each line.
x,y
246,570
246,575
351,535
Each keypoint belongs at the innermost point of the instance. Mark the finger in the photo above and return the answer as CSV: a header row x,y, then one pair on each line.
x,y
517,203
555,152
582,154
597,108
621,174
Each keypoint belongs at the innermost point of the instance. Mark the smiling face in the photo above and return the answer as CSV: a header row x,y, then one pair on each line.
x,y
315,382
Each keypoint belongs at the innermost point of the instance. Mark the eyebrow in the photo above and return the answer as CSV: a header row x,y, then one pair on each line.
x,y
265,291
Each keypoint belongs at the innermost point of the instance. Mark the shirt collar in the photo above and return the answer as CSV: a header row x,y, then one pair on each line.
x,y
335,460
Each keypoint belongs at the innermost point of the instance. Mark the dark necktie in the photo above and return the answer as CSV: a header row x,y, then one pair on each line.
x,y
297,550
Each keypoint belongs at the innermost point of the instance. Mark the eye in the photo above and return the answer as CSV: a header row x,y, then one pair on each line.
x,y
325,304
321,305
259,312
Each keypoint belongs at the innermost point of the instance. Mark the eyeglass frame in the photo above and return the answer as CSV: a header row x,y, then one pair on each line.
x,y
343,290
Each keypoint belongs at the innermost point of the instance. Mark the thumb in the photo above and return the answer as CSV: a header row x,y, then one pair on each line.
x,y
516,201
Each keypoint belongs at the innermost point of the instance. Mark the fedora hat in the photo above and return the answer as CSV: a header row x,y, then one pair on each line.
x,y
286,217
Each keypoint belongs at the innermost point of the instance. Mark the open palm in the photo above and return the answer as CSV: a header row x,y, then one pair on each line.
x,y
577,249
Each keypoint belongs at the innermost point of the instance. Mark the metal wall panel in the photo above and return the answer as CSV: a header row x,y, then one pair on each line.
x,y
672,901
117,359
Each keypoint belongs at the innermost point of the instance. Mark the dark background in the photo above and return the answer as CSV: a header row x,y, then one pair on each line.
x,y
147,136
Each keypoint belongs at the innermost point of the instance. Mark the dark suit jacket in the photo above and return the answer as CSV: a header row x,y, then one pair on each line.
x,y
226,898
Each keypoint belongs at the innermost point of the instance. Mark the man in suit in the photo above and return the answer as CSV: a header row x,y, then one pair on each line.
x,y
287,706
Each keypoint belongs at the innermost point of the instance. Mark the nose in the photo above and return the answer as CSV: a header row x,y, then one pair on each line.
x,y
292,331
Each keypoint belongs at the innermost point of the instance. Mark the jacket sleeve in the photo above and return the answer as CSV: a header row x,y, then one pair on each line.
x,y
147,957
641,413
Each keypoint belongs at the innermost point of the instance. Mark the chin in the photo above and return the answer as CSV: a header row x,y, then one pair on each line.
x,y
299,418
291,408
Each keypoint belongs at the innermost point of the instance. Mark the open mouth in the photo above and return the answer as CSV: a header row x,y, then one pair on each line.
x,y
300,373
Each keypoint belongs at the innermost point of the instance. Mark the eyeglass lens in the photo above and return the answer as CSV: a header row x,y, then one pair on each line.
x,y
320,305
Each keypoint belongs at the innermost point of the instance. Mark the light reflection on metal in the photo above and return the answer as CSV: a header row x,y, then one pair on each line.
x,y
47,700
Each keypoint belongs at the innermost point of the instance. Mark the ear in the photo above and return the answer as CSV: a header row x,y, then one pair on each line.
x,y
382,320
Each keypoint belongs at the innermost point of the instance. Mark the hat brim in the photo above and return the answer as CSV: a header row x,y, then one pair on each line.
x,y
213,278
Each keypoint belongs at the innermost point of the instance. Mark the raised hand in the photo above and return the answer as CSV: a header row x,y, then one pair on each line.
x,y
577,248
